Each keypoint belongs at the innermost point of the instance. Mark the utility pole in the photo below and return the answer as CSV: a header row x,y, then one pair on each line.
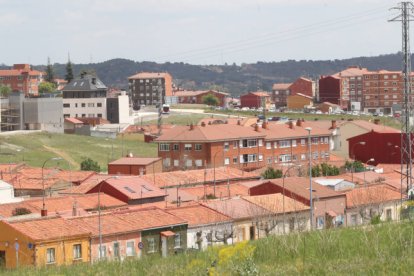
x,y
159,110
405,16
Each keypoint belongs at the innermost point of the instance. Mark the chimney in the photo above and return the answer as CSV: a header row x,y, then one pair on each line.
x,y
264,125
238,122
203,124
299,122
290,123
209,122
74,209
333,126
303,120
256,127
191,126
130,154
43,213
93,80
377,121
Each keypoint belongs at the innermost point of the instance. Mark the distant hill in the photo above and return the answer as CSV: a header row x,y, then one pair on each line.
x,y
235,79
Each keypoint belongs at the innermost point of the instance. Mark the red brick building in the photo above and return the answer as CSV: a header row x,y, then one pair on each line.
x,y
188,147
280,91
196,97
135,166
255,100
330,89
21,78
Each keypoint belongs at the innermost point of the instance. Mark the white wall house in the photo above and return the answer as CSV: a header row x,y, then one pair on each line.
x,y
209,235
7,193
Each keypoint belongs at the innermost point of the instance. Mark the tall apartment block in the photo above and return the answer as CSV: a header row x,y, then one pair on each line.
x,y
21,78
144,88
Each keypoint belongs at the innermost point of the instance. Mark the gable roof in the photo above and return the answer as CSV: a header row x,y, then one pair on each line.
x,y
274,203
149,75
135,161
85,83
281,86
237,208
197,215
372,127
187,93
370,195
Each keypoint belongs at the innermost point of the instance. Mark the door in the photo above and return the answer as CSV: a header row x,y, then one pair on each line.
x,y
252,233
164,243
2,259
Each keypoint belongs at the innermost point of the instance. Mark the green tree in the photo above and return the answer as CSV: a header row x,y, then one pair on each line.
x,y
210,99
4,90
50,75
19,211
358,166
316,171
329,170
69,71
90,165
47,87
271,173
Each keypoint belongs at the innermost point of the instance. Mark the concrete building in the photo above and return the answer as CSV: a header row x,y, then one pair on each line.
x,y
84,96
21,78
7,193
118,109
135,166
280,92
255,100
196,97
144,88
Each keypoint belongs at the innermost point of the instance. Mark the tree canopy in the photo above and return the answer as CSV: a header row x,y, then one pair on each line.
x,y
90,165
47,87
4,90
210,99
69,72
50,75
271,173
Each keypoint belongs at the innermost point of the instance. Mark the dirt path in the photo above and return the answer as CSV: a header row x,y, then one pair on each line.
x,y
64,155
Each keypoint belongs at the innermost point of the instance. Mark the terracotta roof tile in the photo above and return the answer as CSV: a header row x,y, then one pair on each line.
x,y
274,203
370,195
373,127
237,208
197,215
148,75
281,86
134,161
74,121
222,191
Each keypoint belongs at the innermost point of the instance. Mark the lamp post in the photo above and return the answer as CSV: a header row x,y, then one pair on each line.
x,y
370,160
309,129
283,200
99,213
353,157
43,182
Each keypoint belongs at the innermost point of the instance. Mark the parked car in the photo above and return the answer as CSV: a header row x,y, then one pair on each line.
x,y
261,117
274,119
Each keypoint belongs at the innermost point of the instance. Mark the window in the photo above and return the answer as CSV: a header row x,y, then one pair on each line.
x,y
302,142
226,146
275,145
226,161
83,105
50,256
315,141
103,252
284,144
176,147
77,251
284,158
388,214
251,143
198,163
260,157
260,142
151,245
268,145
66,105
326,140
130,248
269,160
303,156
235,160
197,147
293,143
166,162
354,220
164,147
235,144
187,147
116,249
91,105
176,163
189,163
99,104
177,240
320,222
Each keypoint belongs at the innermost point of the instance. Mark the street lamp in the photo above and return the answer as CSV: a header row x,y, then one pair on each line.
x,y
370,160
353,157
309,129
99,213
43,211
283,200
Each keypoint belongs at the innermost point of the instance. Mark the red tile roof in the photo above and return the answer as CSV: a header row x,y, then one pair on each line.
x,y
224,132
283,131
274,203
74,121
281,86
198,215
135,161
260,94
135,187
237,208
186,93
222,191
373,127
370,195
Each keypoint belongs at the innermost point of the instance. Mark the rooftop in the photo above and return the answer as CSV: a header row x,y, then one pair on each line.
x,y
237,208
369,126
85,83
198,215
281,86
148,75
142,161
370,195
186,93
274,203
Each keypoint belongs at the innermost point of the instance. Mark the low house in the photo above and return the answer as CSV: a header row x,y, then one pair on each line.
x,y
327,107
335,184
206,226
255,100
42,242
244,214
197,97
328,205
299,102
286,214
7,193
71,124
365,204
135,166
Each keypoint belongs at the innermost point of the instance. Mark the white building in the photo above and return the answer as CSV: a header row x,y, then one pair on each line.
x,y
7,193
85,97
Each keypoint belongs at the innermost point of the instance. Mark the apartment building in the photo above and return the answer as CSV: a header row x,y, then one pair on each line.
x,y
21,78
280,91
255,100
85,96
382,89
144,88
247,148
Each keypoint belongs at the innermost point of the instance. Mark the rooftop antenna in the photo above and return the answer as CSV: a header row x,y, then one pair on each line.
x,y
406,10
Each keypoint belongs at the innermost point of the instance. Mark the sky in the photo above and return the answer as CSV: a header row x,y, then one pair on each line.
x,y
195,31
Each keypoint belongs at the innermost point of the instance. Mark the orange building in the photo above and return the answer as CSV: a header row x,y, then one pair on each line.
x,y
196,97
21,78
135,166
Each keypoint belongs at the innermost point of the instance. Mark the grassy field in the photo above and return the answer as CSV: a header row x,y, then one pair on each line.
x,y
386,249
35,148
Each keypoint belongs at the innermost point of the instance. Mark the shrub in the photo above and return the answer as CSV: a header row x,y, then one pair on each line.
x,y
21,211
271,173
90,165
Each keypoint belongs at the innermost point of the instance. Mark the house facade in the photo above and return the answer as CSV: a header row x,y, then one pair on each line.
x,y
146,88
135,166
196,97
299,101
22,78
255,100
